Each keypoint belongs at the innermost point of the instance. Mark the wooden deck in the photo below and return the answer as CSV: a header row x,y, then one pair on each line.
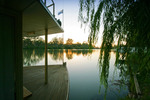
x,y
57,87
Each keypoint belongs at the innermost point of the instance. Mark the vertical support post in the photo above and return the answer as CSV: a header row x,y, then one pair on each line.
x,y
45,2
63,55
46,66
54,9
63,34
63,18
63,47
19,58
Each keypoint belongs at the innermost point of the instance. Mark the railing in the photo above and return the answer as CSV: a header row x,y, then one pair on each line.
x,y
47,4
53,4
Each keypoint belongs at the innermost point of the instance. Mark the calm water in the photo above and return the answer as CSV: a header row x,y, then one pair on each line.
x,y
88,80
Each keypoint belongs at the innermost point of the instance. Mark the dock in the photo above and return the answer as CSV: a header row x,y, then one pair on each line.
x,y
57,87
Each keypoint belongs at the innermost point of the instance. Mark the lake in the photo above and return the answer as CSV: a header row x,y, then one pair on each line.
x,y
89,80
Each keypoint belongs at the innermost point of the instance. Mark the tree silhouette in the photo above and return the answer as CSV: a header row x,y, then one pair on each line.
x,y
69,41
55,40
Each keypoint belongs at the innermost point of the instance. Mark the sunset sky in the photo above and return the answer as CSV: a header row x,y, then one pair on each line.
x,y
72,27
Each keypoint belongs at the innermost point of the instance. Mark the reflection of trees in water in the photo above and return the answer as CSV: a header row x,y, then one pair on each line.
x,y
122,66
104,70
129,64
56,54
71,52
124,73
32,56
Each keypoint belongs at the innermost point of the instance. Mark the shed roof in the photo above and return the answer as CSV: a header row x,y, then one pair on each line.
x,y
36,18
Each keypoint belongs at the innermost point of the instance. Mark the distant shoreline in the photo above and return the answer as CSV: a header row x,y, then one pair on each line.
x,y
62,48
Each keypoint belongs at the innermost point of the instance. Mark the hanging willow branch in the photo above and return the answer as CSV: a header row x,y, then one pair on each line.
x,y
124,21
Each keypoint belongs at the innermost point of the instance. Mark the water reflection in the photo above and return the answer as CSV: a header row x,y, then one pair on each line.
x,y
91,76
104,71
56,54
113,84
33,56
126,72
71,52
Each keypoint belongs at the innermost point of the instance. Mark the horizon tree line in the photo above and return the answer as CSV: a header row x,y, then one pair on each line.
x,y
55,43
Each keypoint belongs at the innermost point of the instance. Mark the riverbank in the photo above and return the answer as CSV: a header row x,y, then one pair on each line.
x,y
144,87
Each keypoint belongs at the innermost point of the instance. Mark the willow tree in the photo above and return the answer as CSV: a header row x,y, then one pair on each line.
x,y
124,21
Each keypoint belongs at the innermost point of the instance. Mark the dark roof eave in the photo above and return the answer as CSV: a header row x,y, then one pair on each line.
x,y
36,18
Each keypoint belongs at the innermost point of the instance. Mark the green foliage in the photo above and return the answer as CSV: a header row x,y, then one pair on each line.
x,y
56,43
33,42
124,21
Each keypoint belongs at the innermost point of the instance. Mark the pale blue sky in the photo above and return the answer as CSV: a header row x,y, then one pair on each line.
x,y
72,27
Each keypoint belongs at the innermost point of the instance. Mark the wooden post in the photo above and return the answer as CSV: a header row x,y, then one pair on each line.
x,y
46,66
